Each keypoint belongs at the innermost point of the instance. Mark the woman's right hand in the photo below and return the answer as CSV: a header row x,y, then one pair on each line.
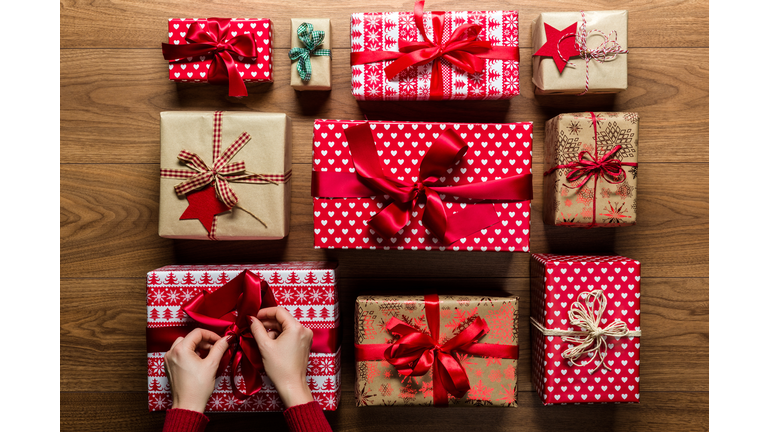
x,y
284,345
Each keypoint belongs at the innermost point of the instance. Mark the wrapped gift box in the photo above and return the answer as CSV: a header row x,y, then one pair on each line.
x,y
495,153
320,78
492,381
196,68
262,187
306,289
579,192
385,33
565,283
550,73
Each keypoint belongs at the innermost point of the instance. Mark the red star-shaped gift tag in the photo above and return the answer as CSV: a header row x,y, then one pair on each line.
x,y
567,46
204,206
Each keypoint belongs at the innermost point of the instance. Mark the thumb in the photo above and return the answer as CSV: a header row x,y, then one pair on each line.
x,y
259,332
218,349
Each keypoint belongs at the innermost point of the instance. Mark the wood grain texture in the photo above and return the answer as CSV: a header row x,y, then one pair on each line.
x,y
114,84
109,229
103,345
127,411
143,24
111,102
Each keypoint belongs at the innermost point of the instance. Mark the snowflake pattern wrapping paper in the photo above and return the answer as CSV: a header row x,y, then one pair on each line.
x,y
495,151
557,282
306,289
492,381
602,200
370,32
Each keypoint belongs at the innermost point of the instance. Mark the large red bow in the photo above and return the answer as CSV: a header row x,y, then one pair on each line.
x,y
462,49
212,37
414,353
445,151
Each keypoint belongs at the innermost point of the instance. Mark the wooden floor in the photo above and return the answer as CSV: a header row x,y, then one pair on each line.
x,y
114,84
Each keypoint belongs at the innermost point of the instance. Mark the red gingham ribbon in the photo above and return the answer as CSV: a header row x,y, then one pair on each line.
x,y
606,51
588,166
221,173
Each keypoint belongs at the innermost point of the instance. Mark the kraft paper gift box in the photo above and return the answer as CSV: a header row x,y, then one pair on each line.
x,y
585,328
253,161
584,189
306,289
320,77
453,71
558,30
476,359
194,52
423,186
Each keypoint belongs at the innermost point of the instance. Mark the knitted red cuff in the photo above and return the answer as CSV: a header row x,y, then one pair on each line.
x,y
307,417
182,420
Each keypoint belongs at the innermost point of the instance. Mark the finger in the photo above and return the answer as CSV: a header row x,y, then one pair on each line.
x,y
273,334
197,336
259,332
282,316
176,342
218,350
271,324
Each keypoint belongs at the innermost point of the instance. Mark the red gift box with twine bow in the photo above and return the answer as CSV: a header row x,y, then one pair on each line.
x,y
585,328
228,51
422,186
219,298
423,55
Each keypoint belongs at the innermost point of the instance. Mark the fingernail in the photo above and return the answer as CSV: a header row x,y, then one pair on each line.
x,y
229,338
251,319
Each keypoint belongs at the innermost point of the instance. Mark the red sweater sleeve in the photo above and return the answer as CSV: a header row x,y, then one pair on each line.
x,y
308,417
181,420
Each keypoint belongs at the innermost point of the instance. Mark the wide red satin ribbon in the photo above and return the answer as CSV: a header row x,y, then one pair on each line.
x,y
445,151
225,312
414,352
588,166
467,54
214,39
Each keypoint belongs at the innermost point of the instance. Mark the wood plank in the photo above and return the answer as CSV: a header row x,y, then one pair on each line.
x,y
109,229
103,321
111,100
668,411
141,24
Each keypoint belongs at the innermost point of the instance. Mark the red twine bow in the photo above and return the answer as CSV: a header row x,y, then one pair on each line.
x,y
414,353
445,151
225,312
462,49
591,166
212,37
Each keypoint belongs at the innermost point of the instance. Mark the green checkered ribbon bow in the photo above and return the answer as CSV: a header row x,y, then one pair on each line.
x,y
311,39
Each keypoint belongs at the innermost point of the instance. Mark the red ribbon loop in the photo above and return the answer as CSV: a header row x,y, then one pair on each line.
x,y
213,38
445,151
462,49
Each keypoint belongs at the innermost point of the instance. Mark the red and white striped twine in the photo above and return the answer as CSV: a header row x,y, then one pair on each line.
x,y
606,51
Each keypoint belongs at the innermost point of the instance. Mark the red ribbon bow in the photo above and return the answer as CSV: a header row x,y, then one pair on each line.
x,y
445,151
462,49
414,353
213,38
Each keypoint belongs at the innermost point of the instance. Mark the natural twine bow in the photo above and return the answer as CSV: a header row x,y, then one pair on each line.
x,y
592,341
608,50
312,40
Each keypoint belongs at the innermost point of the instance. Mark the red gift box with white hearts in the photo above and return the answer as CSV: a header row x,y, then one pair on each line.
x,y
306,289
498,78
496,152
251,69
566,292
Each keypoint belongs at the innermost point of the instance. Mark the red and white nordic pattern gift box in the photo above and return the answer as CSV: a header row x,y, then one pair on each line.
x,y
556,282
380,31
306,289
250,69
495,151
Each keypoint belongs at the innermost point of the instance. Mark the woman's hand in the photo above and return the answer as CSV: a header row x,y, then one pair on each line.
x,y
191,366
285,352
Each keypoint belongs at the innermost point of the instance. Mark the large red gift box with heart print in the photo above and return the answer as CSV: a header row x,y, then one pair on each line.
x,y
434,55
306,289
585,328
197,68
421,186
